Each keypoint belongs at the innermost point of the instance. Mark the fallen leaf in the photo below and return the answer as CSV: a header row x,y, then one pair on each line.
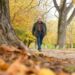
x,y
62,73
3,65
5,47
73,73
17,68
45,71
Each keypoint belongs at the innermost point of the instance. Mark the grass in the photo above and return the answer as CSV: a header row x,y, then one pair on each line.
x,y
70,68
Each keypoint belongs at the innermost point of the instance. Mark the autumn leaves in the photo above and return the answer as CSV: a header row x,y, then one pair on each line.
x,y
73,1
14,61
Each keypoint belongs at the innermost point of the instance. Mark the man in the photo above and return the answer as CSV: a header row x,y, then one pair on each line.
x,y
39,31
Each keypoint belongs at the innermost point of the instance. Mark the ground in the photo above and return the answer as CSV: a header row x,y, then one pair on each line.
x,y
32,62
61,53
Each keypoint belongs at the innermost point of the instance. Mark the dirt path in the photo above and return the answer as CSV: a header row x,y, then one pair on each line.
x,y
62,54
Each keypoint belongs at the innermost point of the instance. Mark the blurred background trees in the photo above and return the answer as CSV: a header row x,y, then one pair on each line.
x,y
24,13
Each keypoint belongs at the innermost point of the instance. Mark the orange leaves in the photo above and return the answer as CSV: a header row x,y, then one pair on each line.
x,y
5,47
16,69
3,65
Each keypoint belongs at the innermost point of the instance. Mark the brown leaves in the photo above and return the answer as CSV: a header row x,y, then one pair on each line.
x,y
21,63
5,47
62,73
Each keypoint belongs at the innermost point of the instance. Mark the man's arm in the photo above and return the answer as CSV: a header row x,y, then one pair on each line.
x,y
45,29
33,29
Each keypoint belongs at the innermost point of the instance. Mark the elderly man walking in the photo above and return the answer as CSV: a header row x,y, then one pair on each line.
x,y
39,31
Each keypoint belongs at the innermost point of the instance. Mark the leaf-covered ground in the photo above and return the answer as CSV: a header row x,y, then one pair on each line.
x,y
15,61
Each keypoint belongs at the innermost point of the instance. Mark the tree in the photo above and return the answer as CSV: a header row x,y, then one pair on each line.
x,y
7,34
64,21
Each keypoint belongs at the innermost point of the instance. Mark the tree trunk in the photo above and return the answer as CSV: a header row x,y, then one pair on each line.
x,y
71,37
62,25
63,11
61,33
7,34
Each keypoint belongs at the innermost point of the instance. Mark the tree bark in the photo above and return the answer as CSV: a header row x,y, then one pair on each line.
x,y
61,32
63,11
7,34
62,26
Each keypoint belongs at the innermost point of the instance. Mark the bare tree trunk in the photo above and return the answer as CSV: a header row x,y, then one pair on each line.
x,y
71,37
62,35
62,26
63,11
7,34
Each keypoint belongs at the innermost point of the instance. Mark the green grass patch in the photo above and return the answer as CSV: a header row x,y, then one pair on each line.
x,y
70,68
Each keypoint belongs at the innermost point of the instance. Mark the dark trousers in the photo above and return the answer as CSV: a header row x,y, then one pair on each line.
x,y
39,40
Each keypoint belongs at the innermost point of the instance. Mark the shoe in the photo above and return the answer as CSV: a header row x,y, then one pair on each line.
x,y
39,49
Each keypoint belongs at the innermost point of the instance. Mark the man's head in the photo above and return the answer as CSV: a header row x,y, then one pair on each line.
x,y
39,18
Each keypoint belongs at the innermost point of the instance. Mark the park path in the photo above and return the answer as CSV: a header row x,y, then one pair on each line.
x,y
61,54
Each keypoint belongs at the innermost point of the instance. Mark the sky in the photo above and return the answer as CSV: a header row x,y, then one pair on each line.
x,y
48,4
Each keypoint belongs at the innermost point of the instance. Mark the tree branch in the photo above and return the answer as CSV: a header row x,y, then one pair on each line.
x,y
69,7
56,5
56,15
71,17
20,9
33,6
47,11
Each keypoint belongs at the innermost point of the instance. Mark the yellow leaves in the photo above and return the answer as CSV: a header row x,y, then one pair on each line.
x,y
23,17
21,6
45,71
73,1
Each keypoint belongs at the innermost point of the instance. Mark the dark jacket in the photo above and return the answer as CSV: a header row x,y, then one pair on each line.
x,y
35,29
